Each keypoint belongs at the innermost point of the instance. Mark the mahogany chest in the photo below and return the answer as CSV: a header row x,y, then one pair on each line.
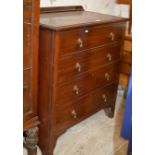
x,y
79,57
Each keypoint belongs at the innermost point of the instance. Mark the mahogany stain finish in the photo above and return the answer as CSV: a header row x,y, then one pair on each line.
x,y
61,9
72,66
90,36
76,19
85,83
84,107
30,73
79,57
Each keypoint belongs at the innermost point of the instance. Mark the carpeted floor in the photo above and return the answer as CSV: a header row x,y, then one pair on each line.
x,y
97,135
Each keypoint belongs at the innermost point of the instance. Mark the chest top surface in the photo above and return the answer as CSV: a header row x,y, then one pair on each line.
x,y
73,19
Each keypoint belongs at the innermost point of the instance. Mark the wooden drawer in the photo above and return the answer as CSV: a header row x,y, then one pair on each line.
x,y
88,81
80,39
105,75
27,94
27,45
72,90
68,115
72,66
27,12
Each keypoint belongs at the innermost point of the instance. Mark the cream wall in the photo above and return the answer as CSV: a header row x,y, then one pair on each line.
x,y
102,6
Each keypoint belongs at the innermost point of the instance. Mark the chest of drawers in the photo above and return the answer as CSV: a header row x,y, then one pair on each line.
x,y
78,68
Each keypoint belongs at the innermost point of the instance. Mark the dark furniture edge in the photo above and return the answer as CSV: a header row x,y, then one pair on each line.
x,y
61,9
81,25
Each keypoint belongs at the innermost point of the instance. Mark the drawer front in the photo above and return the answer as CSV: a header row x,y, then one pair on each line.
x,y
27,38
72,90
88,81
27,94
68,115
80,39
105,75
27,12
72,66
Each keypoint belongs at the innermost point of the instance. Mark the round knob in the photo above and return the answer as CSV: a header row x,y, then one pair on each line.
x,y
78,67
109,57
86,31
74,114
104,98
80,42
112,36
76,89
107,76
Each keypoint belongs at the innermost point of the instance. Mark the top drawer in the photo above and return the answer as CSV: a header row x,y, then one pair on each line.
x,y
89,37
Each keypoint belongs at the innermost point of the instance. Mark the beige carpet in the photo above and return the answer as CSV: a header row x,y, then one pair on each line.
x,y
97,135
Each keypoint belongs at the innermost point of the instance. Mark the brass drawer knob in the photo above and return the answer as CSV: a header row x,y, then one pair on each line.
x,y
76,89
104,98
80,42
107,76
78,67
74,114
112,36
109,57
86,31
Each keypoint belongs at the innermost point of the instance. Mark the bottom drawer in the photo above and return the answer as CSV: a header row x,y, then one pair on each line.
x,y
69,114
